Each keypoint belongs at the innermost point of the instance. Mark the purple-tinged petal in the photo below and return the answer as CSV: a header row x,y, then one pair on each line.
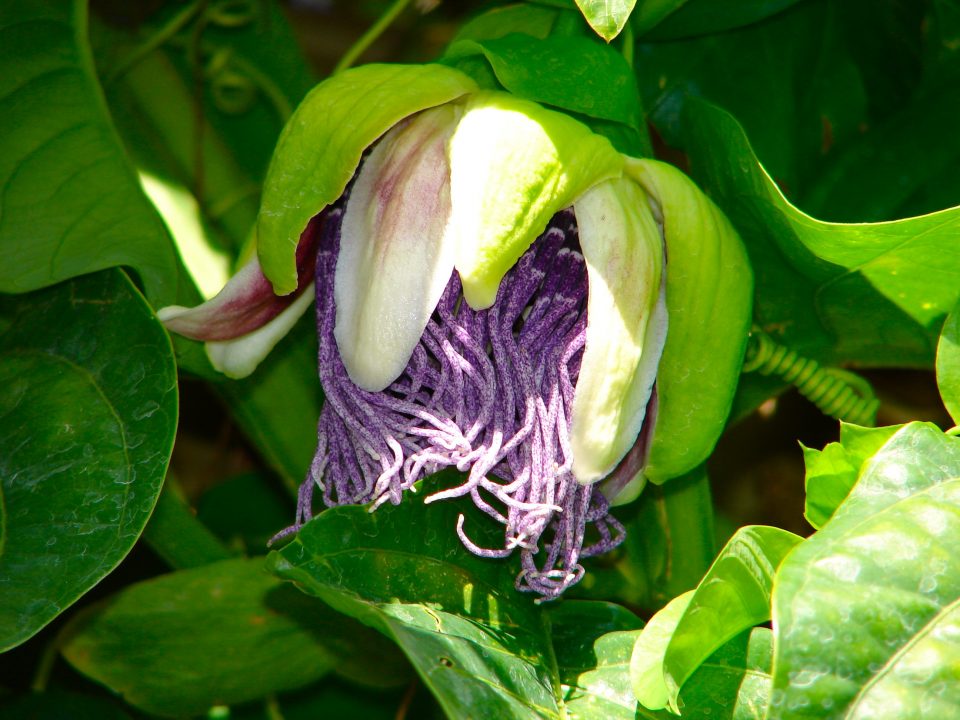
x,y
395,256
246,302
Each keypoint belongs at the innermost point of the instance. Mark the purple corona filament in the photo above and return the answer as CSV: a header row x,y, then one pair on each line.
x,y
487,392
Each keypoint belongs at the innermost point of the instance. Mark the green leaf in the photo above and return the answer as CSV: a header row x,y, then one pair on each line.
x,y
499,21
646,662
865,610
734,683
88,411
221,634
701,17
948,365
868,293
831,472
593,642
177,535
607,17
733,596
474,640
571,73
65,179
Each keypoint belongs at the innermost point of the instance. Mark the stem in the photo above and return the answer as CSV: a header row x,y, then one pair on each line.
x,y
627,49
41,678
685,515
370,36
175,25
175,534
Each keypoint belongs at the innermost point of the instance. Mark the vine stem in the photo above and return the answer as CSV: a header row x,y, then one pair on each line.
x,y
370,36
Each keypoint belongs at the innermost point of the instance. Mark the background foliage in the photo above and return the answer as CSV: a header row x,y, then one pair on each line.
x,y
138,488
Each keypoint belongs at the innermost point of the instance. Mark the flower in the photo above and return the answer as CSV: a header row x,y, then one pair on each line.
x,y
491,296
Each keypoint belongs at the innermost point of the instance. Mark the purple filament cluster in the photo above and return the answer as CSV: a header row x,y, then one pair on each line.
x,y
487,392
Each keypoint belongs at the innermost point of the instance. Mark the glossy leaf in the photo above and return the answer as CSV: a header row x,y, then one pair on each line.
x,y
221,634
571,73
473,639
65,179
646,662
831,472
865,610
593,642
948,365
733,597
607,17
88,411
870,293
734,683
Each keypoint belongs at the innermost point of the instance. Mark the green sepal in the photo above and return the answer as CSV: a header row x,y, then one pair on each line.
x,y
709,302
320,148
513,164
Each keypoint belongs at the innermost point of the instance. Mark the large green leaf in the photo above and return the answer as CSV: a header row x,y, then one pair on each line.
x,y
831,472
475,641
221,634
865,611
88,411
71,202
733,597
867,293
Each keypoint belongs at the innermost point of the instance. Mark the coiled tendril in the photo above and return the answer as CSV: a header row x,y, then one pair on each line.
x,y
838,393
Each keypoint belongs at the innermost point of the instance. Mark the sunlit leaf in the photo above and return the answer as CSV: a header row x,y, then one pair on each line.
x,y
865,610
948,365
607,17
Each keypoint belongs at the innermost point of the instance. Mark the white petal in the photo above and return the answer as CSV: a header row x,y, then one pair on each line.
x,y
240,357
395,258
626,325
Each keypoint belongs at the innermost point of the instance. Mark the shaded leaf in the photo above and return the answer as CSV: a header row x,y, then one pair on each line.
x,y
61,705
831,472
221,634
865,610
88,411
700,17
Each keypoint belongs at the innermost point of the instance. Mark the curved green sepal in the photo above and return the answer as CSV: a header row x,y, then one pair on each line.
x,y
709,301
513,164
320,148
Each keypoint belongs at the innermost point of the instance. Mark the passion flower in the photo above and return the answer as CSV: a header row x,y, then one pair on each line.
x,y
493,294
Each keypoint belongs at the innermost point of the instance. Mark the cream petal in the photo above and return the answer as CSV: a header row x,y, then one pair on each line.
x,y
626,325
395,254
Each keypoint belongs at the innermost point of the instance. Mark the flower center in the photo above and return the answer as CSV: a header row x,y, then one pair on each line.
x,y
489,393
